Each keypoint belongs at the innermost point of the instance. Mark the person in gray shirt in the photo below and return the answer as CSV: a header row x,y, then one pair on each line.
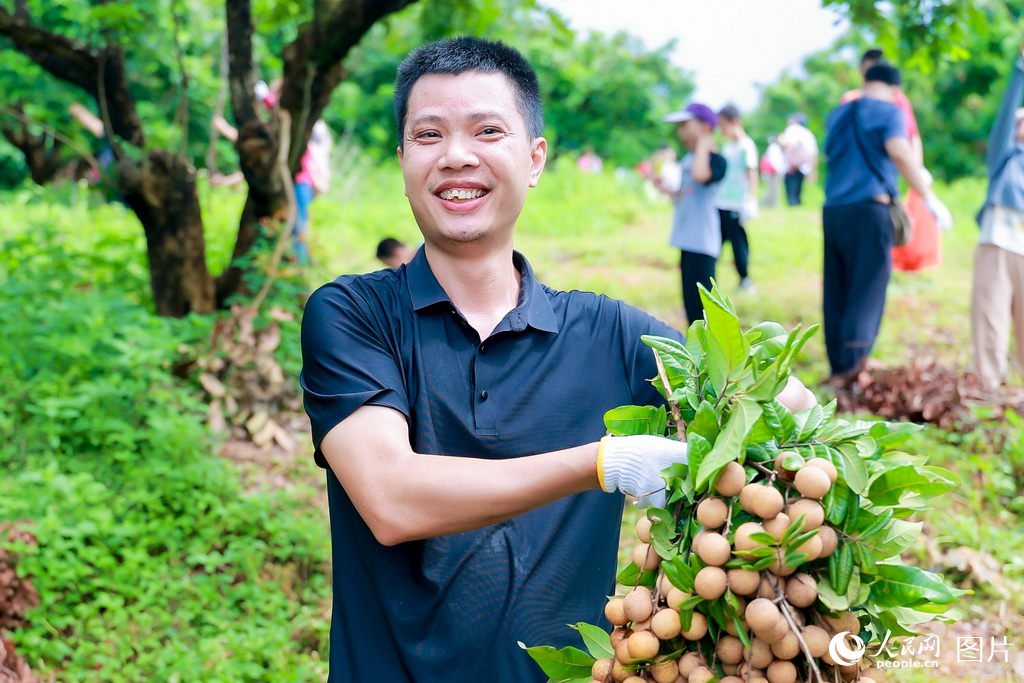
x,y
696,228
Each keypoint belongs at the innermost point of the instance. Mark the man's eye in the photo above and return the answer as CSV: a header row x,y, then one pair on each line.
x,y
427,134
491,130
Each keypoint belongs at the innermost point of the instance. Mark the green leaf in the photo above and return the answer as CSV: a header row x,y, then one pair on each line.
x,y
787,425
728,350
770,336
631,576
809,420
705,423
663,533
697,450
893,434
679,573
852,468
630,420
763,538
830,597
844,570
597,640
680,367
891,486
569,662
906,586
730,443
899,536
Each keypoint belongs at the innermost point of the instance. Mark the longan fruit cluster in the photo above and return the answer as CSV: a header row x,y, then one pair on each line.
x,y
775,603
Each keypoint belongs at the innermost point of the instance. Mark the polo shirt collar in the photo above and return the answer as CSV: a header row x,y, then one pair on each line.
x,y
533,308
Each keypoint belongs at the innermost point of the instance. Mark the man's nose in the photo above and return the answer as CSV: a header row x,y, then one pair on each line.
x,y
459,152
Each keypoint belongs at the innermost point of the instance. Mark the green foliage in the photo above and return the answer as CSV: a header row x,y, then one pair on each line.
x,y
154,563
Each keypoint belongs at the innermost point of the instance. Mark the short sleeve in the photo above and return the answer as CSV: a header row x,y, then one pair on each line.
x,y
638,357
749,154
718,165
895,126
347,361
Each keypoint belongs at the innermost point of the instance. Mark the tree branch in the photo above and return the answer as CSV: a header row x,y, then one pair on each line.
x,y
78,64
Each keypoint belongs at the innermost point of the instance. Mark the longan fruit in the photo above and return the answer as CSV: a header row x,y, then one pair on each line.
x,y
666,624
645,557
622,651
677,597
759,654
811,547
714,550
743,581
729,669
644,625
731,480
782,471
697,538
829,540
615,612
664,585
872,674
776,634
710,583
731,679
813,513
801,590
788,647
767,587
619,671
780,568
762,615
663,671
817,639
602,669
812,482
701,674
643,645
643,529
619,634
698,627
741,541
639,604
634,679
826,466
712,512
777,525
762,501
781,671
846,621
688,662
729,649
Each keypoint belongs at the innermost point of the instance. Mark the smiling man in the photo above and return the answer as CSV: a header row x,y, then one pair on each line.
x,y
457,405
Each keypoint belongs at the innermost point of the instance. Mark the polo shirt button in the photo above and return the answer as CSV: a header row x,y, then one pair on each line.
x,y
483,348
483,395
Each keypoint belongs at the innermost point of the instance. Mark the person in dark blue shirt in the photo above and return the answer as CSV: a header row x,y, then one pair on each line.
x,y
457,404
866,146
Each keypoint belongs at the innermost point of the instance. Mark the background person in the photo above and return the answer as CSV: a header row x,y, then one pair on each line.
x,y
866,147
737,196
997,295
773,170
393,253
696,230
801,150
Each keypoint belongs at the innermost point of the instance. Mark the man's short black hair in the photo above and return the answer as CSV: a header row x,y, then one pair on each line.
x,y
872,55
885,73
387,247
729,113
458,55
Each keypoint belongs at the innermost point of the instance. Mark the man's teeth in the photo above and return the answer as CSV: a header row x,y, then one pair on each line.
x,y
459,193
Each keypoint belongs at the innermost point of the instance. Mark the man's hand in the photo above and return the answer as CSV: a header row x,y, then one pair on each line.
x,y
943,218
633,465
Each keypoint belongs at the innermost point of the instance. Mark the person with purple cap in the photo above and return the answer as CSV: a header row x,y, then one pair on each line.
x,y
696,228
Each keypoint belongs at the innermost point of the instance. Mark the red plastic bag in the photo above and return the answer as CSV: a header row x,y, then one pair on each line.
x,y
924,250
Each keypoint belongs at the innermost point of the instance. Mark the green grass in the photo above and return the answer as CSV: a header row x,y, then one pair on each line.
x,y
588,232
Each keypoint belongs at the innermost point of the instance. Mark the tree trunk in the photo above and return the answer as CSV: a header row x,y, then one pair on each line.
x,y
42,153
162,192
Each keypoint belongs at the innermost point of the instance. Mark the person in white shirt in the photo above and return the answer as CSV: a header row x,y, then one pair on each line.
x,y
801,156
736,201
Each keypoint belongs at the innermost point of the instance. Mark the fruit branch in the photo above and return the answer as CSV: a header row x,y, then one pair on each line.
x,y
673,405
785,608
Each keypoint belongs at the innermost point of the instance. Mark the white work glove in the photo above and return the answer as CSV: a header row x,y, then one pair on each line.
x,y
633,465
261,89
943,218
926,176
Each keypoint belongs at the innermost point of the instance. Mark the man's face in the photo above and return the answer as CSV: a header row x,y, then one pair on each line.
x,y
690,131
468,158
1020,129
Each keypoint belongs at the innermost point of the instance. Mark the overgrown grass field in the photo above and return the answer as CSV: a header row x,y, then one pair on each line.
x,y
155,561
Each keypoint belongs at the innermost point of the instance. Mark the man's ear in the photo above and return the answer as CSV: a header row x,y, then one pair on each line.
x,y
538,157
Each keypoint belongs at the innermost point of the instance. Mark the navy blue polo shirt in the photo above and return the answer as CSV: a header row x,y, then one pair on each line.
x,y
451,608
851,178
